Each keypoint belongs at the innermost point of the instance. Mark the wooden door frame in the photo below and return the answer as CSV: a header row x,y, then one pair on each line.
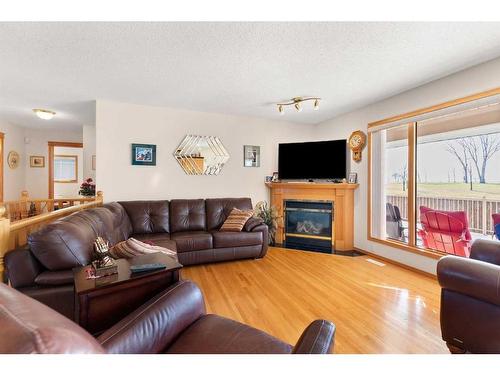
x,y
53,144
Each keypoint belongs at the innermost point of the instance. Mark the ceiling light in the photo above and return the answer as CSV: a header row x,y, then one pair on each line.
x,y
296,102
44,114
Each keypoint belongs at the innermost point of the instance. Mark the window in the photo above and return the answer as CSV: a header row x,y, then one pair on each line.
x,y
434,177
65,168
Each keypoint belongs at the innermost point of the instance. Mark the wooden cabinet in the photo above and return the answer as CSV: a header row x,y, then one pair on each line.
x,y
342,196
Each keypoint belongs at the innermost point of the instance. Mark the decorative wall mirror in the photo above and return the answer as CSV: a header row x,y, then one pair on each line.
x,y
201,154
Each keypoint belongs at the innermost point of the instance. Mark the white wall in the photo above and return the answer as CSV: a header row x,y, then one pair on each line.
x,y
14,179
69,189
37,179
88,150
479,78
118,125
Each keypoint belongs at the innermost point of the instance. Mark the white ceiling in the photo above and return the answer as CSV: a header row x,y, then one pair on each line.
x,y
234,68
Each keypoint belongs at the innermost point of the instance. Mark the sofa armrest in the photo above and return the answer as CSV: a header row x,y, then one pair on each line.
x,y
471,277
22,267
155,325
265,238
486,251
252,223
317,338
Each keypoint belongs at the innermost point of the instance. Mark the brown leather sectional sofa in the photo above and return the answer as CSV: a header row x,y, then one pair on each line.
x,y
43,269
174,321
470,299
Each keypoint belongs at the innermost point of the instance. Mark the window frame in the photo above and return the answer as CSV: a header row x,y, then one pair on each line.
x,y
412,144
67,181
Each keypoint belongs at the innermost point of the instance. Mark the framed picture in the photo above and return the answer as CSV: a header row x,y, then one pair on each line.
x,y
275,177
37,161
269,178
353,178
93,162
143,154
251,156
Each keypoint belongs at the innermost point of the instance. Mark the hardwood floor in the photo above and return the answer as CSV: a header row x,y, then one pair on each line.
x,y
377,309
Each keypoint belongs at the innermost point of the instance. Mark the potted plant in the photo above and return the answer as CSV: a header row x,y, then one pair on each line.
x,y
270,216
87,188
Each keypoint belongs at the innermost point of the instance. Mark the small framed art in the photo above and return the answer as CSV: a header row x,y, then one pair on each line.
x,y
353,178
143,154
275,177
37,161
251,156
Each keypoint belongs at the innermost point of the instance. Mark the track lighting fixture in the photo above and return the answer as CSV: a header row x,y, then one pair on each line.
x,y
296,102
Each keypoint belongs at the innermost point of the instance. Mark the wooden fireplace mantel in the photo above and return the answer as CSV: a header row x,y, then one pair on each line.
x,y
342,196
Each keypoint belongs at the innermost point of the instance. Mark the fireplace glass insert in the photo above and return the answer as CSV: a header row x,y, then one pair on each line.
x,y
308,225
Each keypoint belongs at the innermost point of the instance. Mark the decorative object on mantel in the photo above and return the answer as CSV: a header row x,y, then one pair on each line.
x,y
251,156
275,177
143,154
296,102
357,142
201,155
270,216
269,178
87,188
37,161
13,160
103,264
353,178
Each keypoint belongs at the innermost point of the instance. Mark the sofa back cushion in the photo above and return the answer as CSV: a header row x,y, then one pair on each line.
x,y
218,210
69,242
187,215
148,216
64,243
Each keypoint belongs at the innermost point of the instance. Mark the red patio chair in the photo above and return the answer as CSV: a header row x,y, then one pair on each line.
x,y
496,225
446,231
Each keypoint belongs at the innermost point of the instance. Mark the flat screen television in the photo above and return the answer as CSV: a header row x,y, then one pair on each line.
x,y
325,160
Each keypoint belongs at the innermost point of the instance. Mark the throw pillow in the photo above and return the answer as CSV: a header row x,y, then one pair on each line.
x,y
132,247
236,220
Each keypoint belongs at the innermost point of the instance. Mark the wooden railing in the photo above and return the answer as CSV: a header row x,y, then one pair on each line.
x,y
478,210
26,207
15,234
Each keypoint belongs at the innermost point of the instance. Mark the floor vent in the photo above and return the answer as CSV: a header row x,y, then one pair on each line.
x,y
377,263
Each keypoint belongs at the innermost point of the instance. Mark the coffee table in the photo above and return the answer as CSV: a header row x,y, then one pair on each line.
x,y
102,302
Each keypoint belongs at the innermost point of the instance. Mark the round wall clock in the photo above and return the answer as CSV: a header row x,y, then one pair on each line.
x,y
357,142
13,160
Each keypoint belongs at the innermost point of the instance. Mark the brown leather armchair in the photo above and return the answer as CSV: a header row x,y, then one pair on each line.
x,y
174,321
470,299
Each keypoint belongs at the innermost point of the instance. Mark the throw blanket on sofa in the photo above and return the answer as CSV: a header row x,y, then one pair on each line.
x,y
132,247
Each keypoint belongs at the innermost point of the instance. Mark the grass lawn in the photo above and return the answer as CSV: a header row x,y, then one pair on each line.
x,y
450,190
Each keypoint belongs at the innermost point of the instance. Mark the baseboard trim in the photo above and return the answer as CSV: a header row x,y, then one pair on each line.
x,y
431,275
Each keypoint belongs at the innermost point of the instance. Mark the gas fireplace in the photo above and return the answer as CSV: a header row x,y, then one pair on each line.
x,y
308,225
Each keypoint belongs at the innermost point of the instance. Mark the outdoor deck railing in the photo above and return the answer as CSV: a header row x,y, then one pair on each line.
x,y
478,210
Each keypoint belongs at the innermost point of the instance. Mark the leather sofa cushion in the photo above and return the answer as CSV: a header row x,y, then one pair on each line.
x,y
31,327
122,227
219,209
236,239
148,216
187,214
192,241
55,278
64,243
158,239
213,334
